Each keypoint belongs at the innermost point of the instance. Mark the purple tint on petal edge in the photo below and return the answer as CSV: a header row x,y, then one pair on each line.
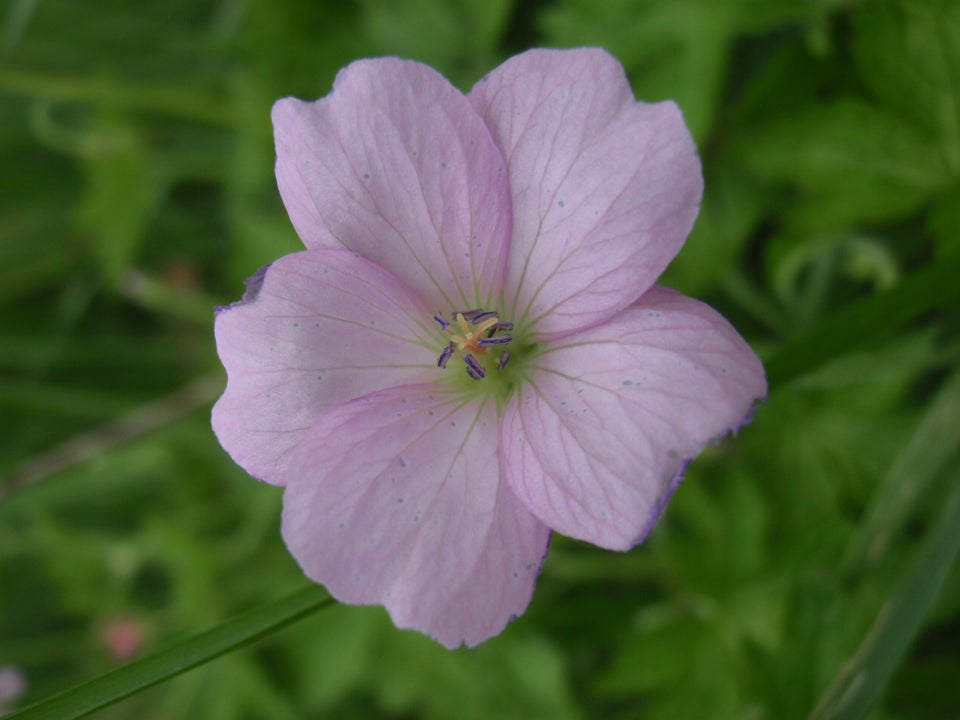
x,y
661,505
748,418
253,283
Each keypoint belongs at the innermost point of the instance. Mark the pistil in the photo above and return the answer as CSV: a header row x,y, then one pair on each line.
x,y
473,335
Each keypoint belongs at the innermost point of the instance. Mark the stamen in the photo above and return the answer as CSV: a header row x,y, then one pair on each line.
x,y
445,356
476,320
470,314
496,340
472,333
474,369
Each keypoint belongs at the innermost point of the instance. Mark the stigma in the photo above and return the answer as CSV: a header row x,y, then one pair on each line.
x,y
474,336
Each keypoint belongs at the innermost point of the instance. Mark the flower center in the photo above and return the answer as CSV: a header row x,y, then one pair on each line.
x,y
475,336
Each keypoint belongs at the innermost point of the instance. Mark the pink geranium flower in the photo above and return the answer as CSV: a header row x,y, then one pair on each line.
x,y
471,352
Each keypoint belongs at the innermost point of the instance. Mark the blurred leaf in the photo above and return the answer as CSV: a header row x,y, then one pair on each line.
x,y
236,686
141,674
692,652
815,631
925,456
457,37
861,682
326,673
167,299
758,15
33,250
528,674
121,193
880,375
853,161
908,54
732,207
658,656
806,273
677,50
174,101
865,320
945,221
166,39
294,48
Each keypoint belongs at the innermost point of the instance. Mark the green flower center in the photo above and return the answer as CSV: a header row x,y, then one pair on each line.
x,y
494,354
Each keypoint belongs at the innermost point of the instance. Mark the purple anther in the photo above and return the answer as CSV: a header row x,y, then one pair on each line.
x,y
441,322
469,314
445,356
498,340
501,326
480,317
504,359
474,369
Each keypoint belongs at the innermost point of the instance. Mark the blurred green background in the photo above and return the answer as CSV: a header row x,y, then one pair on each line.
x,y
810,556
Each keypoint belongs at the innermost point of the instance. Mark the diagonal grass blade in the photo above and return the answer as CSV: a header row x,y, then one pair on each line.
x,y
131,679
860,683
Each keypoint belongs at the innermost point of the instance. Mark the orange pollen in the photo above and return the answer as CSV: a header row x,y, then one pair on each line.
x,y
476,331
468,341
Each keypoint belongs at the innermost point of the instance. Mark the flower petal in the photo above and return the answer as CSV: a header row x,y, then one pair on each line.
x,y
396,164
596,442
317,328
397,500
605,189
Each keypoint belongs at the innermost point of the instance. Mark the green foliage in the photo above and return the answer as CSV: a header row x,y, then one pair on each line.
x,y
805,569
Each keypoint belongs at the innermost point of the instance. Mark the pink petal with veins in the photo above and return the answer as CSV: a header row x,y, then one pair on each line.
x,y
398,499
605,189
324,327
594,443
396,165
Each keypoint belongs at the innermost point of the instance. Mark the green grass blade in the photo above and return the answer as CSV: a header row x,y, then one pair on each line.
x,y
924,458
866,320
131,679
862,680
